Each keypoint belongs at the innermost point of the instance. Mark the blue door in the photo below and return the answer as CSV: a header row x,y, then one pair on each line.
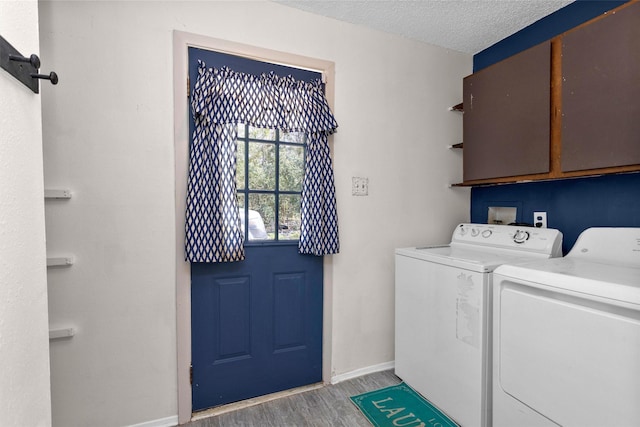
x,y
257,324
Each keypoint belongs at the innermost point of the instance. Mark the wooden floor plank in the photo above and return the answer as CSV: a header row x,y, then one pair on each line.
x,y
327,406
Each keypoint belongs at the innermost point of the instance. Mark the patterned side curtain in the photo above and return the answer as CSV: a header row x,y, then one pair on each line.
x,y
212,220
222,99
319,221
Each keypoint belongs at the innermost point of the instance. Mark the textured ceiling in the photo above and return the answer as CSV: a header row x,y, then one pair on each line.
x,y
463,25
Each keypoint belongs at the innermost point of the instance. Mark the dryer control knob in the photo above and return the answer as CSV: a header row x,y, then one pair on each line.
x,y
486,233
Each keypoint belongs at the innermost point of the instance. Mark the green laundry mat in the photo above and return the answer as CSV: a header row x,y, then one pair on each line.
x,y
400,406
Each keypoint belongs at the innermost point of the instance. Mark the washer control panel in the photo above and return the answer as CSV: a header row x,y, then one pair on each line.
x,y
531,239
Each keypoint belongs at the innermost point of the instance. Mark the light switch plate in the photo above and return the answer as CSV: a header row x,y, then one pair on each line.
x,y
359,186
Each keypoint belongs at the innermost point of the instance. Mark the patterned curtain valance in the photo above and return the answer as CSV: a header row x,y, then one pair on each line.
x,y
221,100
267,101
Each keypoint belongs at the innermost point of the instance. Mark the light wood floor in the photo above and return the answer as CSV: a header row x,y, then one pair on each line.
x,y
328,406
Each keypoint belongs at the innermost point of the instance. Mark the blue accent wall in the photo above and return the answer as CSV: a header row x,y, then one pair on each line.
x,y
546,28
572,205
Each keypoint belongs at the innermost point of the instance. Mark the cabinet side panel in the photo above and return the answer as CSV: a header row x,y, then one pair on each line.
x,y
507,116
600,93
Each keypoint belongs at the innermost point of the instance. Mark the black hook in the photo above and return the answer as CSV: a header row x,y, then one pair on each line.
x,y
35,63
51,76
33,60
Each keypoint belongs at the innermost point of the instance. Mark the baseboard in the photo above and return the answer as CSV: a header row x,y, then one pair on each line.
x,y
363,371
230,407
173,421
162,422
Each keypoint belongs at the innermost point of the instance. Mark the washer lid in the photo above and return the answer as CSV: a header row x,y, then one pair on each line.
x,y
585,276
483,247
475,259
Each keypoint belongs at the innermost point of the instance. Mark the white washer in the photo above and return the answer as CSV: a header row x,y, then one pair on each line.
x,y
443,313
567,336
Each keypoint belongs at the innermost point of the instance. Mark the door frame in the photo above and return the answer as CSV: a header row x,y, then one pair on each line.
x,y
181,42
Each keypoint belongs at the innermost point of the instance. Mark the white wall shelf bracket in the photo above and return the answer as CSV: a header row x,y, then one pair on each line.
x,y
57,194
55,334
59,261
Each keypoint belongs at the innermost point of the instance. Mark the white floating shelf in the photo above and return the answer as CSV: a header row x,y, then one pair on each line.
x,y
61,333
57,194
59,261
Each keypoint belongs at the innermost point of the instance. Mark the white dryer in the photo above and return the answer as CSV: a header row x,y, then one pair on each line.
x,y
443,313
567,336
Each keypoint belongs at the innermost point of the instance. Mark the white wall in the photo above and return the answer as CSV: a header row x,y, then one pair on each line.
x,y
109,138
25,398
392,97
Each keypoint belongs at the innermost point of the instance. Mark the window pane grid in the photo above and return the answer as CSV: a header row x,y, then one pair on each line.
x,y
269,201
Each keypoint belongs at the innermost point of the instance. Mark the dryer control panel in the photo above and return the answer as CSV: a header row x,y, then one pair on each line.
x,y
609,245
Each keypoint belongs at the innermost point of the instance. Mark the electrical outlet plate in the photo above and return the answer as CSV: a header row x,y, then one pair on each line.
x,y
540,219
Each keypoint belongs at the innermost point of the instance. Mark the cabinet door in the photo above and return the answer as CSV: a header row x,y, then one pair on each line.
x,y
601,93
507,116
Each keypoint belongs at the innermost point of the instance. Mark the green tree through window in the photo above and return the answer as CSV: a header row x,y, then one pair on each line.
x,y
270,170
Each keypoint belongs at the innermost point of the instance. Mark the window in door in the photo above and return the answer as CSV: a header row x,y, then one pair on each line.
x,y
269,174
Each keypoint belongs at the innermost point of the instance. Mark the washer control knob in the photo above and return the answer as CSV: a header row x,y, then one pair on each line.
x,y
486,233
521,236
474,232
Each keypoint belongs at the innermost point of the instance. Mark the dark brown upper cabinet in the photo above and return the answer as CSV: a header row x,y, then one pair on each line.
x,y
566,108
507,116
601,93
